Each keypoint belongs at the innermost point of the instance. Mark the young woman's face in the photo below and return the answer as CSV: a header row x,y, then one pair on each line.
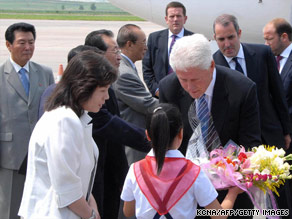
x,y
97,99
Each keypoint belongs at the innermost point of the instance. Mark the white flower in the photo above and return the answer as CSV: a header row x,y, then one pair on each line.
x,y
278,152
265,171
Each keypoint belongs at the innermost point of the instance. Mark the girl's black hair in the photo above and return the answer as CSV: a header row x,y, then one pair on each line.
x,y
163,124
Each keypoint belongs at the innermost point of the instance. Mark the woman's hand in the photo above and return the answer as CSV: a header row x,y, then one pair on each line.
x,y
93,205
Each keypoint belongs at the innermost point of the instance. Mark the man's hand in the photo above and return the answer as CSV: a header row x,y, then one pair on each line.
x,y
287,141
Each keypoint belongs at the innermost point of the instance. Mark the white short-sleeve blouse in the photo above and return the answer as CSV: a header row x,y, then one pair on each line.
x,y
202,192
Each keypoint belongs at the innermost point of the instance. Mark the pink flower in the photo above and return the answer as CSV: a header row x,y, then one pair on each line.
x,y
242,157
248,184
264,177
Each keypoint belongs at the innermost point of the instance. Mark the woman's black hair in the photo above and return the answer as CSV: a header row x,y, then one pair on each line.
x,y
163,124
84,73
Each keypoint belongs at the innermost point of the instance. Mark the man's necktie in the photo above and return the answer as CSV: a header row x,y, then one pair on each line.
x,y
205,137
203,115
278,59
24,80
237,65
170,48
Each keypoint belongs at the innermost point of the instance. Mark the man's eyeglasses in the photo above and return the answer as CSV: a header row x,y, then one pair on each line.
x,y
116,51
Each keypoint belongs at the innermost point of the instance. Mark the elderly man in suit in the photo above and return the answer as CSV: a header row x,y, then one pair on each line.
x,y
278,35
21,84
231,97
133,97
257,63
155,62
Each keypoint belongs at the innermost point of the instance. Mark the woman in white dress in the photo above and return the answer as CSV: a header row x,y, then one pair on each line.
x,y
62,155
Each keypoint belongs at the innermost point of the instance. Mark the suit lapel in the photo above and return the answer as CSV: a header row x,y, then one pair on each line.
x,y
14,80
127,63
286,67
33,81
163,41
220,105
220,59
251,64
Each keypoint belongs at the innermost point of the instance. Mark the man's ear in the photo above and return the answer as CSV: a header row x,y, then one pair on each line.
x,y
284,37
129,44
147,135
8,45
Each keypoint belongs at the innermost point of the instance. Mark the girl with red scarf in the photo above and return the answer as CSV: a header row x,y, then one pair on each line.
x,y
165,183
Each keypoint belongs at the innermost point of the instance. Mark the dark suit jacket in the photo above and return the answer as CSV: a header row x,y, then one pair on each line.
x,y
234,110
155,62
262,69
234,107
286,76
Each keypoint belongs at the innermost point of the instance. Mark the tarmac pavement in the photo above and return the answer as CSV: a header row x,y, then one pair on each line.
x,y
55,38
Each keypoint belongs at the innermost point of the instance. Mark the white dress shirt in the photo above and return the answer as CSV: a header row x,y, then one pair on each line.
x,y
240,59
18,67
201,192
209,91
61,157
178,36
285,54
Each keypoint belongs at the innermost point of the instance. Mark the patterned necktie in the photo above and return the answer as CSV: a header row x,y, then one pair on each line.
x,y
24,80
278,59
205,137
203,115
237,65
170,48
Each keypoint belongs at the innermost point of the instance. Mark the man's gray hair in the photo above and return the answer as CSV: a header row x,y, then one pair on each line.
x,y
225,20
191,51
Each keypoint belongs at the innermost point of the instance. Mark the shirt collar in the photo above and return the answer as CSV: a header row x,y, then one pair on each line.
x,y
287,51
210,89
129,60
240,55
85,118
18,67
169,153
179,35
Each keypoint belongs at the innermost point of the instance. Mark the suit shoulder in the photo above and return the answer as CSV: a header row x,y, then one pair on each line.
x,y
44,68
233,77
157,33
188,32
257,47
169,81
217,53
125,68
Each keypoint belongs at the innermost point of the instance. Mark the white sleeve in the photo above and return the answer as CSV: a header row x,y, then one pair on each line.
x,y
128,188
63,159
205,192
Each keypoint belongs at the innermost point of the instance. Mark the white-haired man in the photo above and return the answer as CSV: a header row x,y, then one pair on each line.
x,y
231,98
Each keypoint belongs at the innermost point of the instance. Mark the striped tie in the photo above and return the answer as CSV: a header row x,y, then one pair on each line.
x,y
170,70
205,137
24,80
203,115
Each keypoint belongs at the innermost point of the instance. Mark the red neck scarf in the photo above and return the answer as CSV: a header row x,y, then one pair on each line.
x,y
174,180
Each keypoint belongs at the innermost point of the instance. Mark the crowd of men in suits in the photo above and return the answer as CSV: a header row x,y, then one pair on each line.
x,y
248,89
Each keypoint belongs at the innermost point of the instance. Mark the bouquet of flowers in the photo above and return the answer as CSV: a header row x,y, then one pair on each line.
x,y
258,172
263,167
